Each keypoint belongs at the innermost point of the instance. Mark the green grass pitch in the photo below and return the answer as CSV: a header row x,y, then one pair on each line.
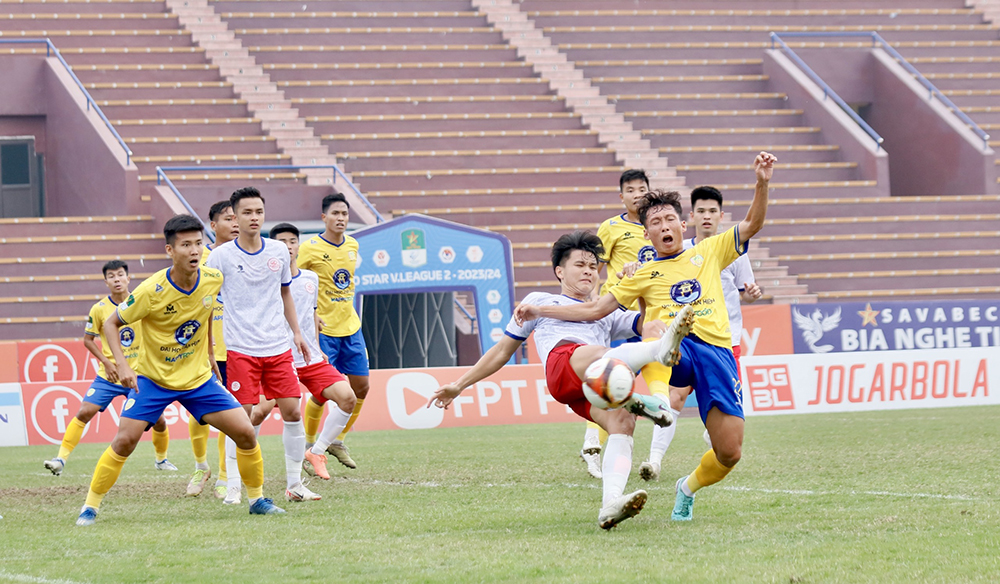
x,y
904,496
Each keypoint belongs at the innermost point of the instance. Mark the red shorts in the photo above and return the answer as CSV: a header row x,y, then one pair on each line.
x,y
248,377
739,370
564,384
317,377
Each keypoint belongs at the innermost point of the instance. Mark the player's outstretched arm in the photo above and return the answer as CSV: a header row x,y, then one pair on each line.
x,y
763,167
487,365
582,312
293,322
126,377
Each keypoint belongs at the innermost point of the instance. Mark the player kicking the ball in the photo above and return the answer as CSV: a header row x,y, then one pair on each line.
x,y
568,348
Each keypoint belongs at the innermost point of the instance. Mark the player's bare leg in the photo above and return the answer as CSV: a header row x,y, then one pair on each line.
x,y
615,505
726,432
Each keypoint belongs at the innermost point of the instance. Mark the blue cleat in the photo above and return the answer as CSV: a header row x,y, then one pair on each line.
x,y
682,504
88,515
264,506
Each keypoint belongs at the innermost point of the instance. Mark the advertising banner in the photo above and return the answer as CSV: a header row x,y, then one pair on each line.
x,y
12,428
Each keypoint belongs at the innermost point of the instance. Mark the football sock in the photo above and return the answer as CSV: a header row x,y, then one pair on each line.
x,y
222,459
637,355
334,425
256,430
199,441
105,475
616,466
709,472
232,464
251,467
350,423
591,438
658,446
161,442
294,439
71,438
314,413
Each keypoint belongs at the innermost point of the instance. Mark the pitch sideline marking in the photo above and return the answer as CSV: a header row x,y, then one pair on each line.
x,y
871,493
33,579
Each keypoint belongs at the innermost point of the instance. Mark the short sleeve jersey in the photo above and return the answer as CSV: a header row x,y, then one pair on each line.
x,y
624,242
690,277
220,337
550,332
305,292
254,321
334,265
734,276
175,345
129,335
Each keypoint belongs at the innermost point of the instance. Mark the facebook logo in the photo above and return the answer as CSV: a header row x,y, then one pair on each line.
x,y
50,368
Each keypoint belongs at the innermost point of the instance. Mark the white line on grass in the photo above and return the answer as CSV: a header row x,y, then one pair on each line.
x,y
830,493
33,579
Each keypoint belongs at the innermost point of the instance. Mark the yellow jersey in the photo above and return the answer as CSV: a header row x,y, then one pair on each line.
x,y
690,277
220,339
175,348
128,335
624,242
334,264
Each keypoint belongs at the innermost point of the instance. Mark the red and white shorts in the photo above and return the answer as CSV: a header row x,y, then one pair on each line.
x,y
248,377
317,377
564,384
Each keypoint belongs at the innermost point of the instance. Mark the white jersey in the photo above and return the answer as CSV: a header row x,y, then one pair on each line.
x,y
550,332
734,276
253,322
305,293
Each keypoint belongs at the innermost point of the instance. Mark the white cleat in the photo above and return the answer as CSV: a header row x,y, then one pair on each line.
x,y
233,496
592,457
55,466
165,465
621,509
300,493
649,471
670,348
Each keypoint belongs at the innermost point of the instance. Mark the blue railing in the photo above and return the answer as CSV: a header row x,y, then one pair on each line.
x,y
52,50
878,41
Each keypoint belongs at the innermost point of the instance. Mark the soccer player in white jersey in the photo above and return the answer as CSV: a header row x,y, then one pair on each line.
x,y
256,276
568,348
322,380
737,282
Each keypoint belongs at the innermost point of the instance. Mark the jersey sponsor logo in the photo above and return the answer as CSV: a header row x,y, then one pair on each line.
x,y
186,331
239,268
685,291
158,288
698,260
646,253
127,336
342,279
207,302
273,264
169,309
130,301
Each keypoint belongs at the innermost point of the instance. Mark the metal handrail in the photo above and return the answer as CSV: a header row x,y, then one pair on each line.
x,y
162,175
50,50
827,90
879,41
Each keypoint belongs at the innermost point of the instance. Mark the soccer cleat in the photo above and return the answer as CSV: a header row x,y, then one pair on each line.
x,y
300,493
55,465
220,491
649,471
670,352
682,504
593,461
264,506
165,465
88,515
316,465
652,407
339,451
621,509
233,496
197,483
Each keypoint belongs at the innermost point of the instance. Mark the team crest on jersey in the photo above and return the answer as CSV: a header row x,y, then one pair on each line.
x,y
310,288
127,336
685,291
646,254
342,279
186,331
273,264
698,260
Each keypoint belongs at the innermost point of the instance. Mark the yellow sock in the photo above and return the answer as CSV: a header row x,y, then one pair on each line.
x,y
314,413
251,465
199,440
105,475
222,458
71,438
350,422
161,442
709,472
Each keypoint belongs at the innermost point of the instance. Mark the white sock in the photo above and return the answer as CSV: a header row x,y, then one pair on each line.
x,y
591,438
662,437
201,466
616,467
635,355
232,469
685,488
256,430
332,427
294,439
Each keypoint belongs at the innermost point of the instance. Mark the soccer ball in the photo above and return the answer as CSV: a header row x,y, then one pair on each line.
x,y
608,383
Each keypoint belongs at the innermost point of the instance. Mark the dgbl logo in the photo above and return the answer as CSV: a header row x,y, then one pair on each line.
x,y
770,388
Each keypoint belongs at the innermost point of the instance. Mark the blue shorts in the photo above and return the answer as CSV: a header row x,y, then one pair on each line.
x,y
349,355
148,401
711,371
102,391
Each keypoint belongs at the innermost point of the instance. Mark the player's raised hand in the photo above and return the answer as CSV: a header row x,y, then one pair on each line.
x,y
444,395
763,165
126,377
524,313
654,329
300,344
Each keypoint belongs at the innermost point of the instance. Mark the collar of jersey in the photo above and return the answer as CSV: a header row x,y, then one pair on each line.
x,y
320,235
112,301
182,290
263,243
571,298
624,218
657,259
297,275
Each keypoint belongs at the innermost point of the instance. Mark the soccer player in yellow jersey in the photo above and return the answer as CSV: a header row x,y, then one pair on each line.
x,y
222,220
105,386
333,255
175,364
675,278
